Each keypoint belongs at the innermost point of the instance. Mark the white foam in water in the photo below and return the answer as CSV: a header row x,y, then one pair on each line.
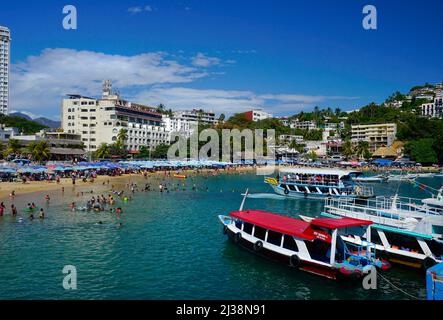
x,y
272,196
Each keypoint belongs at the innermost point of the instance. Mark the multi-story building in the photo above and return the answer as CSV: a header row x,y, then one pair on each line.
x,y
62,145
288,138
303,125
8,132
5,49
185,122
378,135
100,121
257,115
433,109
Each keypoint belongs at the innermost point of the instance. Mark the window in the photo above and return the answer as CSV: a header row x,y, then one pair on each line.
x,y
274,237
289,243
403,242
247,227
260,233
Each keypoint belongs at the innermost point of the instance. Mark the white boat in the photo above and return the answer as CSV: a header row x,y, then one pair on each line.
x,y
313,247
437,201
402,177
318,183
408,234
374,179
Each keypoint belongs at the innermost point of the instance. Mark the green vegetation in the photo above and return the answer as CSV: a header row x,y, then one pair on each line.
x,y
39,150
422,151
25,126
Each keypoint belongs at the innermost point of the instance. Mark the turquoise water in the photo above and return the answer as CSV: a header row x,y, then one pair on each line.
x,y
170,246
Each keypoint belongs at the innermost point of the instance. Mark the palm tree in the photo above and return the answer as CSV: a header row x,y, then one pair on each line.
x,y
362,149
39,151
13,146
122,136
348,150
297,147
103,151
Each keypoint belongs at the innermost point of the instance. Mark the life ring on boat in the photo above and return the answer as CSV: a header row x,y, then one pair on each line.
x,y
237,237
225,229
258,246
294,261
286,191
428,263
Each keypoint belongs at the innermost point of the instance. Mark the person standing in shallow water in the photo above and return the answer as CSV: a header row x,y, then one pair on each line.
x,y
2,209
13,210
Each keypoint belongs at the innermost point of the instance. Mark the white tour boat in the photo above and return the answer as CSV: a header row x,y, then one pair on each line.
x,y
314,246
318,183
406,234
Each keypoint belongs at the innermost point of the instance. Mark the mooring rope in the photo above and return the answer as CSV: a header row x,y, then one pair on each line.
x,y
399,289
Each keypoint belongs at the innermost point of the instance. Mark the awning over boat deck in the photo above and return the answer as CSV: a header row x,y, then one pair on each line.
x,y
333,223
275,222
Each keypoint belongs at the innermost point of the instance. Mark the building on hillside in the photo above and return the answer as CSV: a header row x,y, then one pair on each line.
x,y
8,132
185,122
433,109
377,135
62,145
303,125
101,120
5,61
257,115
288,138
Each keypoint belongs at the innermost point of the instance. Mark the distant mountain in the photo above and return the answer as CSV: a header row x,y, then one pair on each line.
x,y
20,115
48,122
41,120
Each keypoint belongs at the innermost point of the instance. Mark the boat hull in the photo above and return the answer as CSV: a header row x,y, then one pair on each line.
x,y
305,195
306,266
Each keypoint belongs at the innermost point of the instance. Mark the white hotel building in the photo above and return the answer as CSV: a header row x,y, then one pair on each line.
x,y
5,47
186,122
100,120
433,109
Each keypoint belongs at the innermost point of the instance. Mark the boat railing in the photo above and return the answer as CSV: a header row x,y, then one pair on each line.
x,y
351,209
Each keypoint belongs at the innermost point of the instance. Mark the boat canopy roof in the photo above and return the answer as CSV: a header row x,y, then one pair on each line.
x,y
319,171
295,227
275,222
333,223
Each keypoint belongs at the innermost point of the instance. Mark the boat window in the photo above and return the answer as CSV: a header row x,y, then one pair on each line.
x,y
291,187
403,242
238,223
435,247
312,189
289,243
375,238
274,237
247,228
319,250
260,232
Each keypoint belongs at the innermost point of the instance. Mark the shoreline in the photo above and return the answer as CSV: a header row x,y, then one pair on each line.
x,y
34,187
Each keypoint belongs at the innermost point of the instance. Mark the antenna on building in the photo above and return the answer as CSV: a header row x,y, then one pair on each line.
x,y
107,88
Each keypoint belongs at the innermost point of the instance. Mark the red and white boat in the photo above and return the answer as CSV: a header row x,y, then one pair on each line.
x,y
313,246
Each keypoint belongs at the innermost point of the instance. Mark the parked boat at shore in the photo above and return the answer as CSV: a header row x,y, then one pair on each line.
x,y
313,247
381,178
318,183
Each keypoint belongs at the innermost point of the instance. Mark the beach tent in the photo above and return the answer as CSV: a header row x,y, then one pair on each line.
x,y
382,162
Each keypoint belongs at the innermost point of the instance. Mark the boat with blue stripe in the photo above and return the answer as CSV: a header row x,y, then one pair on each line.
x,y
318,183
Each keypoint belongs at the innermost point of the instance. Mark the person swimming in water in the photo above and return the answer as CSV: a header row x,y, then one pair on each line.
x,y
41,215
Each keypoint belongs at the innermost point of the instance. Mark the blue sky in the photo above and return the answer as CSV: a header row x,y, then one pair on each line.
x,y
228,56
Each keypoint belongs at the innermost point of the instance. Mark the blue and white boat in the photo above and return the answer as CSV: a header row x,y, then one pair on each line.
x,y
318,183
408,235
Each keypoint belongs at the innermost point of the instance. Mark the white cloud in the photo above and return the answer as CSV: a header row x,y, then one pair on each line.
x,y
201,60
140,9
230,101
41,81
